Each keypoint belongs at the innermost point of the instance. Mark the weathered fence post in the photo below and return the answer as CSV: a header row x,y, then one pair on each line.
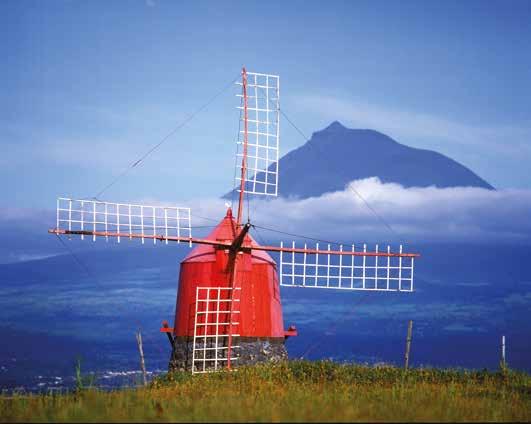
x,y
504,363
408,343
141,350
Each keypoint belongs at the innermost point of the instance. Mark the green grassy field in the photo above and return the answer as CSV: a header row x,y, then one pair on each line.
x,y
294,391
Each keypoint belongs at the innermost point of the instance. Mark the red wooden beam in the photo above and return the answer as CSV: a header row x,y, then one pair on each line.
x,y
228,245
244,158
146,236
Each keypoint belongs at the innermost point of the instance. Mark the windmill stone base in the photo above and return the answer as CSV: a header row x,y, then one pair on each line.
x,y
251,350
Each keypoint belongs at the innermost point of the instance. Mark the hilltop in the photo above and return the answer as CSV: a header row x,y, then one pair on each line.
x,y
336,155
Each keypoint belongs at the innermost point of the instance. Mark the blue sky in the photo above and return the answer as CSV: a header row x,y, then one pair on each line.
x,y
87,87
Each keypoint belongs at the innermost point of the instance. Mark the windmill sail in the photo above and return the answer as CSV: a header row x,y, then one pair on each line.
x,y
258,135
122,220
347,268
216,321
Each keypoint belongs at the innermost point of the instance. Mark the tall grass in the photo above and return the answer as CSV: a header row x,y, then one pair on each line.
x,y
295,391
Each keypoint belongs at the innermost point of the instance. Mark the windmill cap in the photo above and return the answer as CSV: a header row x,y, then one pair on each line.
x,y
226,231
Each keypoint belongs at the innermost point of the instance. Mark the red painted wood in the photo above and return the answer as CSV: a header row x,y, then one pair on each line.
x,y
206,266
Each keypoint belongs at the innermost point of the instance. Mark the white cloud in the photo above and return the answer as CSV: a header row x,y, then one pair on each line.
x,y
518,299
428,214
464,214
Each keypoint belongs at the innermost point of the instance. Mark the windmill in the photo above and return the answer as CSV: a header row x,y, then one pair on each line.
x,y
228,309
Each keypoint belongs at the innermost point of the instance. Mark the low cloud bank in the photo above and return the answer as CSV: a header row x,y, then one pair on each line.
x,y
419,215
461,214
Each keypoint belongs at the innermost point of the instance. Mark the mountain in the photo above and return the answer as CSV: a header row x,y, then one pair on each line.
x,y
337,155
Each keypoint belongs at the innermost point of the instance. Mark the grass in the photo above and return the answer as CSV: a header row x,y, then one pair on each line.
x,y
294,391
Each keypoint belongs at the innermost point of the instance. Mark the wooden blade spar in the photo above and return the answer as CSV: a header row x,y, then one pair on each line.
x,y
237,243
245,142
233,246
160,237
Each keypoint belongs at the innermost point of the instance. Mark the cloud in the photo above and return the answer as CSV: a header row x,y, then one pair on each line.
x,y
462,328
408,124
428,214
518,299
463,214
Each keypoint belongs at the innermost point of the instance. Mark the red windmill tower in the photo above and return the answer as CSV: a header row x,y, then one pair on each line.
x,y
228,309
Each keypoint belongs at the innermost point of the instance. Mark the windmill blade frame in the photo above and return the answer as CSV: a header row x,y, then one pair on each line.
x,y
348,269
107,219
258,144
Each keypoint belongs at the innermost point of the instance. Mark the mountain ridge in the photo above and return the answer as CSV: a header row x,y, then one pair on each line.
x,y
312,170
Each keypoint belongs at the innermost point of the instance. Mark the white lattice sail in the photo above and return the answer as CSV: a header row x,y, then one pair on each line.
x,y
216,319
105,219
263,92
349,268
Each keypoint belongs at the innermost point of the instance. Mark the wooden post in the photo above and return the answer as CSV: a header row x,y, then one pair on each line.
x,y
142,363
503,351
408,343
